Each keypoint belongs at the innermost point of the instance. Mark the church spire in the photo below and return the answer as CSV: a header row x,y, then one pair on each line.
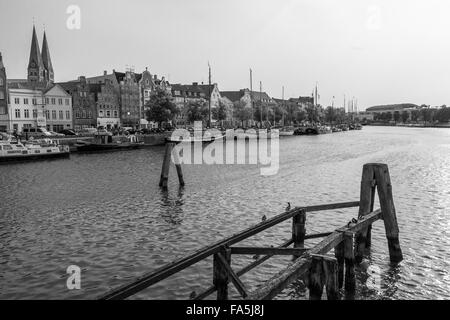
x,y
49,75
35,65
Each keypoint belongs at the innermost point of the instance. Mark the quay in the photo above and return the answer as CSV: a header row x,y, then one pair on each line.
x,y
319,269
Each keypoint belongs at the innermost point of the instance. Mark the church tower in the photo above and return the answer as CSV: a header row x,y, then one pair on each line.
x,y
3,88
48,74
36,68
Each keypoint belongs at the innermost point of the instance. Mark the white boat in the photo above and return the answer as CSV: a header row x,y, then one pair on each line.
x,y
287,131
16,151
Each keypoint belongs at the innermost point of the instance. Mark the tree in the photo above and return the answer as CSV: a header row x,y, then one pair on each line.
x,y
330,114
241,112
161,107
415,115
300,115
220,112
197,111
396,116
312,113
405,116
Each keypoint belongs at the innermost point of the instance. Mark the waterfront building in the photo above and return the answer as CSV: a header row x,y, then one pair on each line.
x,y
84,108
133,90
185,94
107,104
375,111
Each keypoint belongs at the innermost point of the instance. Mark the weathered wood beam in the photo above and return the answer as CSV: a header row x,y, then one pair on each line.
x,y
268,251
234,278
221,274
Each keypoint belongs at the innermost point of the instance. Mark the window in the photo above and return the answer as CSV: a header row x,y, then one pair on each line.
x,y
47,114
53,101
25,101
26,114
46,101
53,114
34,113
108,113
67,102
77,114
16,100
61,115
83,114
17,112
100,113
89,114
116,114
2,95
67,114
60,101
1,81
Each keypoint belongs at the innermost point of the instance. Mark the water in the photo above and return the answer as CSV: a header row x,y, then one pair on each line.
x,y
106,214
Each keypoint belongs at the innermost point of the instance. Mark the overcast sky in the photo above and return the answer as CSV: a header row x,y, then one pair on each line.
x,y
378,51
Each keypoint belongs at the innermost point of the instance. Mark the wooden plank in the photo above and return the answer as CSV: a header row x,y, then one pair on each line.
x,y
221,274
166,166
317,235
332,206
349,257
330,269
177,162
367,195
298,229
234,278
316,278
339,254
384,188
268,251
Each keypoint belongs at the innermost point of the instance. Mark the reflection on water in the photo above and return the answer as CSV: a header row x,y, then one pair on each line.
x,y
106,214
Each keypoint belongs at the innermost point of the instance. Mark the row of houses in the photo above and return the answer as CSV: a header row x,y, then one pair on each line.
x,y
110,100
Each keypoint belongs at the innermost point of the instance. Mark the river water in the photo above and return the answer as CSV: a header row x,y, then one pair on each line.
x,y
106,214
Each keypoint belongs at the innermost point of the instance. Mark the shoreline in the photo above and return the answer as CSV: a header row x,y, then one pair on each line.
x,y
444,126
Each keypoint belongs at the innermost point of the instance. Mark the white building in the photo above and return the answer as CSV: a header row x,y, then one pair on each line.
x,y
29,108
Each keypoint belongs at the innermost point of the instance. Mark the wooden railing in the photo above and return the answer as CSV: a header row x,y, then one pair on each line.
x,y
318,269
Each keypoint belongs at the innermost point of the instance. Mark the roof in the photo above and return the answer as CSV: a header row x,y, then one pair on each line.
x,y
232,95
390,107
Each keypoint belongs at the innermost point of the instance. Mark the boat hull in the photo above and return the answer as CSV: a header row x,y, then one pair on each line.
x,y
33,157
107,148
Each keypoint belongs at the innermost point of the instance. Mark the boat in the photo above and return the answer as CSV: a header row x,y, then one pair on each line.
x,y
104,142
287,131
17,151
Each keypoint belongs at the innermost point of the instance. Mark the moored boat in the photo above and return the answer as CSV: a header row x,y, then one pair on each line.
x,y
103,142
16,151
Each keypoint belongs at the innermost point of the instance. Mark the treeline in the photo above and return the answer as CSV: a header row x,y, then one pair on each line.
x,y
425,114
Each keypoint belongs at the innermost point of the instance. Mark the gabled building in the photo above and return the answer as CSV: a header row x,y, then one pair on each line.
x,y
84,107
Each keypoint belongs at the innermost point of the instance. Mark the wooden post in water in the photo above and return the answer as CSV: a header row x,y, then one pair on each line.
x,y
316,278
350,281
166,166
339,254
330,268
220,273
298,229
367,195
384,188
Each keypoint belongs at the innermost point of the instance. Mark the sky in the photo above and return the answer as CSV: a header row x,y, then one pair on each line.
x,y
378,51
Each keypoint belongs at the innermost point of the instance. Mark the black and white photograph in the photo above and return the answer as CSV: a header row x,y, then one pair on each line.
x,y
225,153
